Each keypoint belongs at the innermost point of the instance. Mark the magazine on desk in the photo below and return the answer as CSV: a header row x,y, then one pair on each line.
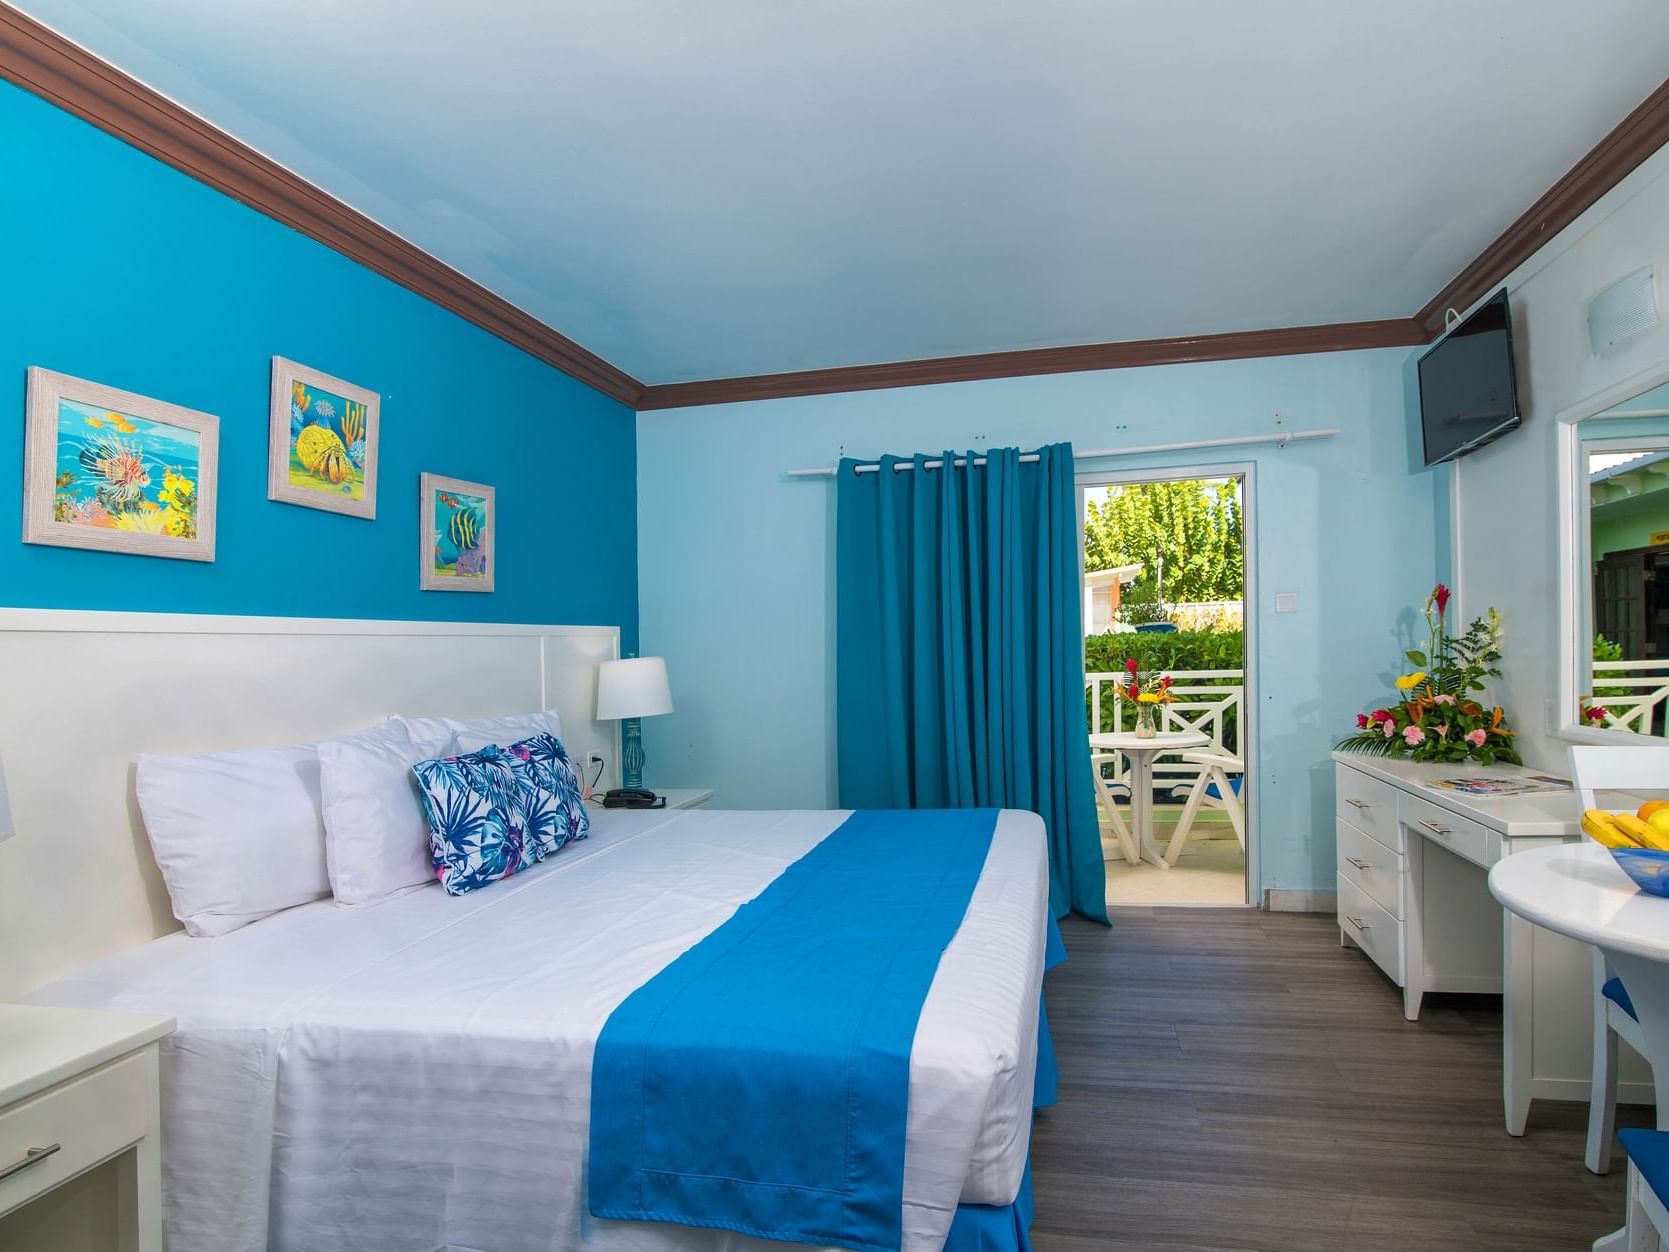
x,y
1490,787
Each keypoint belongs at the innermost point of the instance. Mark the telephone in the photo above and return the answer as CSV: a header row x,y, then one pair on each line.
x,y
632,798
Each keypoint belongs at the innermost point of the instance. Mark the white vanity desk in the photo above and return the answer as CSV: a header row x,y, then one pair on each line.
x,y
1414,896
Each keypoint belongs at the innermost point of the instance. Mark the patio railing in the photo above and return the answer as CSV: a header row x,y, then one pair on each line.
x,y
1207,700
1632,692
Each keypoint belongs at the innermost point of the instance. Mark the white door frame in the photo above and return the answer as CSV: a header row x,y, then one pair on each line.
x,y
1246,471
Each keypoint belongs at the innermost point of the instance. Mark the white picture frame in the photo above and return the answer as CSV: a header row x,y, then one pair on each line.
x,y
112,471
334,469
468,543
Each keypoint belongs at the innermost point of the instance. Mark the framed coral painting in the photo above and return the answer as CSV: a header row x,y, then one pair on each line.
x,y
118,472
322,451
458,530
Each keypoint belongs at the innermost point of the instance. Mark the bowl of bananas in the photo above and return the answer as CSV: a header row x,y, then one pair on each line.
x,y
1639,842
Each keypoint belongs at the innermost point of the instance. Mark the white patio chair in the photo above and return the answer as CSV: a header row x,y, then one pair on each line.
x,y
1109,804
1221,785
1596,772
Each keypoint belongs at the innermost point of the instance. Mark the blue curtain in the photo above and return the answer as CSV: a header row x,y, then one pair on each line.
x,y
960,649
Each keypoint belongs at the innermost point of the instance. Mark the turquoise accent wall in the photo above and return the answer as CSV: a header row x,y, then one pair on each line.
x,y
122,270
736,563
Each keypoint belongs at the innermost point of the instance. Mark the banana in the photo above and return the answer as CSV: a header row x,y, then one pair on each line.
x,y
1647,835
1603,829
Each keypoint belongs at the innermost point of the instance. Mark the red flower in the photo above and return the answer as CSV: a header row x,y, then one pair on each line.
x,y
1165,683
1134,691
1441,598
1131,665
1595,713
1361,721
1383,715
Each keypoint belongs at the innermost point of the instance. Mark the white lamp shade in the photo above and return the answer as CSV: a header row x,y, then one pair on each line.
x,y
636,687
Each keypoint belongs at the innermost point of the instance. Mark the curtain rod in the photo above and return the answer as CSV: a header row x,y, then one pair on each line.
x,y
1281,437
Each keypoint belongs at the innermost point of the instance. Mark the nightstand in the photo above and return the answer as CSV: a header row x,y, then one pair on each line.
x,y
79,1087
676,798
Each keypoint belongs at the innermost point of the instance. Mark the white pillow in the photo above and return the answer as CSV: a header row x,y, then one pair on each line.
x,y
238,835
376,833
484,730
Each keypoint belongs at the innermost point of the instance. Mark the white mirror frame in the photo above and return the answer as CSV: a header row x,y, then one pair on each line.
x,y
1575,636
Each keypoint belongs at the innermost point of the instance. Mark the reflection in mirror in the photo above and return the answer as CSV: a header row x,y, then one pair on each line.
x,y
1624,456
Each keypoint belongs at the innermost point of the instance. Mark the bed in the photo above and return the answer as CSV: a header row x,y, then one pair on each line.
x,y
416,1074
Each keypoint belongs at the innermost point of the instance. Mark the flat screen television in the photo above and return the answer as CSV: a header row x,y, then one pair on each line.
x,y
1468,391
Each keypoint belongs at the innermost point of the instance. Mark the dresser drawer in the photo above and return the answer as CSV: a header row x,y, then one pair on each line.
x,y
90,1118
1369,805
1461,835
1374,930
1371,866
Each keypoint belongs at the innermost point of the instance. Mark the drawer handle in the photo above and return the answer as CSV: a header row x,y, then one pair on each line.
x,y
1356,922
1358,864
31,1156
1357,804
1435,828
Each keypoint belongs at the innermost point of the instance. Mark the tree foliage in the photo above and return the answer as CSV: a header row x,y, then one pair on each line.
x,y
1194,524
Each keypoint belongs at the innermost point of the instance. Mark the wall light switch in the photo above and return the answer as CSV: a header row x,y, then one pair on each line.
x,y
1286,602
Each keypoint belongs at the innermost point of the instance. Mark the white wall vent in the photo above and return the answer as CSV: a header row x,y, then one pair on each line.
x,y
1623,310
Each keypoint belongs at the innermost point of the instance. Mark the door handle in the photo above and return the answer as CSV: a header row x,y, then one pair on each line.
x,y
1358,863
1357,804
31,1156
1435,828
1356,922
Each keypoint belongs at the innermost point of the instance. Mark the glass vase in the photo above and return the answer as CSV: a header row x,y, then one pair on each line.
x,y
1145,729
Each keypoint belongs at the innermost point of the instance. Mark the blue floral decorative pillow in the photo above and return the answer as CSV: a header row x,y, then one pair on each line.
x,y
549,790
495,812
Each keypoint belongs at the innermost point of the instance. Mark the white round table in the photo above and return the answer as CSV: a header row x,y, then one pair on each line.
x,y
1577,890
1141,752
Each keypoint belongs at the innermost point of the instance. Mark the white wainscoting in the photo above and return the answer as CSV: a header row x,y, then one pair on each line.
x,y
83,694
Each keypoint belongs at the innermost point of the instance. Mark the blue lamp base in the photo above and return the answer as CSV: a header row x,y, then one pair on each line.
x,y
631,752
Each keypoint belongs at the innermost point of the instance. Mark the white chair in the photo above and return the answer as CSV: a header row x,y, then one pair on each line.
x,y
1648,1178
1598,772
1109,804
1221,785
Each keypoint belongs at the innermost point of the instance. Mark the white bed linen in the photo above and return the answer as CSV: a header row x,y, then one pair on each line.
x,y
415,1074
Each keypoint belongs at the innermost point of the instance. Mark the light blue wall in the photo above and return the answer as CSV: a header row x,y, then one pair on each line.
x,y
122,270
736,560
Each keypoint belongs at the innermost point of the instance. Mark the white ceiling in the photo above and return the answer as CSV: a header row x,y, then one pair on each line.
x,y
699,190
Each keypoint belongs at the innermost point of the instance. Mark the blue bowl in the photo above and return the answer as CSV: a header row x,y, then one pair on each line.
x,y
1648,867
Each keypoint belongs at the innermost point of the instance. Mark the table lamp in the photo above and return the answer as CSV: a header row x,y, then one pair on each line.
x,y
628,691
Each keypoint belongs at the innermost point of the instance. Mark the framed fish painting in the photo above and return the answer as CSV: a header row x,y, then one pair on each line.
x,y
458,531
118,472
322,451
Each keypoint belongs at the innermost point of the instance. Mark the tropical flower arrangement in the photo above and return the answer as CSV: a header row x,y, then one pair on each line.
x,y
1148,691
1438,717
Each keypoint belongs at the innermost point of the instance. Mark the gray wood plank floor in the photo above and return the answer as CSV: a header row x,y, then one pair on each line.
x,y
1234,1080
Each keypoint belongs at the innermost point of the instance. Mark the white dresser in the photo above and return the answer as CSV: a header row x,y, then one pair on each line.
x,y
1413,866
78,1088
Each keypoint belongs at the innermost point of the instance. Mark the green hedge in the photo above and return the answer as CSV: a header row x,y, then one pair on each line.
x,y
1166,652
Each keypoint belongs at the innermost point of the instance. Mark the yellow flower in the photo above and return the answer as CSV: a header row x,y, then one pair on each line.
x,y
143,523
1410,681
1148,697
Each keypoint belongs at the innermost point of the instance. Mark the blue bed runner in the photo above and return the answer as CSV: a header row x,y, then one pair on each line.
x,y
760,1083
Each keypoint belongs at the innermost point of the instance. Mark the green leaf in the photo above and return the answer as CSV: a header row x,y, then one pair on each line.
x,y
1416,657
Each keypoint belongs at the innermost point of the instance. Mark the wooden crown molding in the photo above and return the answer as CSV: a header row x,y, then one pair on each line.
x,y
1635,138
43,62
1340,337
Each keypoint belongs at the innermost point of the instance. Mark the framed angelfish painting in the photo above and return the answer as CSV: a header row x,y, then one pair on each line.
x,y
116,471
322,450
458,530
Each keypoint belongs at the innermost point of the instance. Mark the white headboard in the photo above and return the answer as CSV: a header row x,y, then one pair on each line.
x,y
83,694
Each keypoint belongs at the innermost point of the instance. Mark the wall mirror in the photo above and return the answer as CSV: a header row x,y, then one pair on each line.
x,y
1615,465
